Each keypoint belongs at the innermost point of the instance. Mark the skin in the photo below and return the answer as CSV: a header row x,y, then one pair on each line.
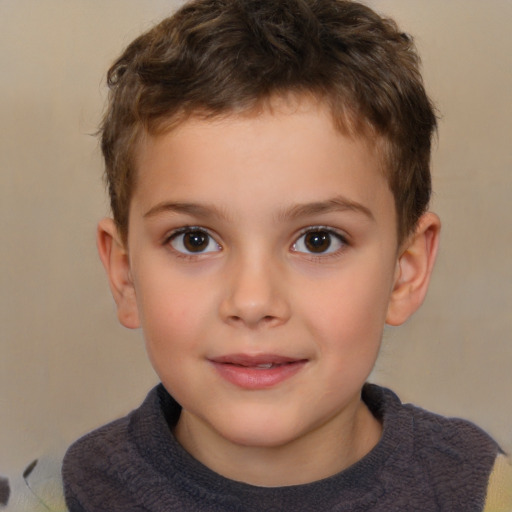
x,y
256,185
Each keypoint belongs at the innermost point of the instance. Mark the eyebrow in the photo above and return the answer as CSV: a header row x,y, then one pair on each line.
x,y
193,209
336,204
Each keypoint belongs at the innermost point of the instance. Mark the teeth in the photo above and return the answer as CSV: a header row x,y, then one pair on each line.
x,y
264,366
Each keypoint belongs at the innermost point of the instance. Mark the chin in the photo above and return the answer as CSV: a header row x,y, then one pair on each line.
x,y
259,431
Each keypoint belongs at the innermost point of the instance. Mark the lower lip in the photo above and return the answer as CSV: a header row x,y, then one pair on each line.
x,y
247,377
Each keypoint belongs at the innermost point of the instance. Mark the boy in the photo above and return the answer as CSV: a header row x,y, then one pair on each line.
x,y
268,169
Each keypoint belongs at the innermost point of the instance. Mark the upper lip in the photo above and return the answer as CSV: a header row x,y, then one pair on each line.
x,y
255,360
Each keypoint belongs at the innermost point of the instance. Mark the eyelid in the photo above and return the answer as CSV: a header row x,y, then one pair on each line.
x,y
323,227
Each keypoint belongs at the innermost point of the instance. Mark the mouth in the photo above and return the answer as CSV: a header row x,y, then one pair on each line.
x,y
257,372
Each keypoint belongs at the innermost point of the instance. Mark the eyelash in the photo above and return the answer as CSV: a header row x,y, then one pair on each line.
x,y
331,233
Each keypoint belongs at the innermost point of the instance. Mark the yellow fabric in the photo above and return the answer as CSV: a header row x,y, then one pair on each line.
x,y
499,491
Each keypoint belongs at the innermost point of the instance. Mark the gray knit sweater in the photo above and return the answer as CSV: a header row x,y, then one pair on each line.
x,y
423,462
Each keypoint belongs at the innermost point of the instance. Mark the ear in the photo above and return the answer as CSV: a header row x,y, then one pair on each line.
x,y
114,257
414,268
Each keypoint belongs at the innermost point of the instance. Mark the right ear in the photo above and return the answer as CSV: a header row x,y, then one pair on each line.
x,y
114,256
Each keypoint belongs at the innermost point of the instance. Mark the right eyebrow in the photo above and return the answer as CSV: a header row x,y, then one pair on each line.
x,y
193,209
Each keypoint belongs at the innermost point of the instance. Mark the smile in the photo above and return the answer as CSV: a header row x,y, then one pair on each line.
x,y
257,372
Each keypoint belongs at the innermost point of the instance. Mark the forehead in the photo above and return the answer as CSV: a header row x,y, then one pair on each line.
x,y
333,112
290,147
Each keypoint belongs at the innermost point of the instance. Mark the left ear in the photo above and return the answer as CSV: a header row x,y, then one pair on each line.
x,y
414,268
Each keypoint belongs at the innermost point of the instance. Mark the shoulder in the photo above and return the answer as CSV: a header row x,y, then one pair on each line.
x,y
113,457
95,450
432,435
451,439
452,457
104,446
89,461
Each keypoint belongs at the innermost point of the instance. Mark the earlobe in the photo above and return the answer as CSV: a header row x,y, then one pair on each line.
x,y
414,268
114,257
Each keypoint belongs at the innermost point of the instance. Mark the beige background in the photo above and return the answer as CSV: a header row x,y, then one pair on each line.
x,y
67,367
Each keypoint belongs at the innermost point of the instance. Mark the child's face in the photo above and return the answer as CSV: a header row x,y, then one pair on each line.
x,y
263,255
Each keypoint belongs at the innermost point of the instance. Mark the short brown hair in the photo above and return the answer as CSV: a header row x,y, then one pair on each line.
x,y
214,57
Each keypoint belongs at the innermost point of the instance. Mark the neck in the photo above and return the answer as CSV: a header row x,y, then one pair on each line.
x,y
320,454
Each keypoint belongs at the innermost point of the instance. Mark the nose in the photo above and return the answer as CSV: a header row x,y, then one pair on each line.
x,y
255,295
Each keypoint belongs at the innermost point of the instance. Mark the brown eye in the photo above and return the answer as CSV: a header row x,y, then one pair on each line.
x,y
317,241
193,241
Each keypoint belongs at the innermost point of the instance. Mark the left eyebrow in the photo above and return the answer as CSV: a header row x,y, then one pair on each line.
x,y
336,204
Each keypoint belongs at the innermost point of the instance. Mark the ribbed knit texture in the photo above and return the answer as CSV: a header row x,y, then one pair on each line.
x,y
423,462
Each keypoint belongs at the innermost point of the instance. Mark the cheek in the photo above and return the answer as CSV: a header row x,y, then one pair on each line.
x,y
349,309
174,311
173,330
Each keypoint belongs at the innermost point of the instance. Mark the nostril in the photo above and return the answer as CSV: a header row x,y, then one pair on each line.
x,y
253,303
261,321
